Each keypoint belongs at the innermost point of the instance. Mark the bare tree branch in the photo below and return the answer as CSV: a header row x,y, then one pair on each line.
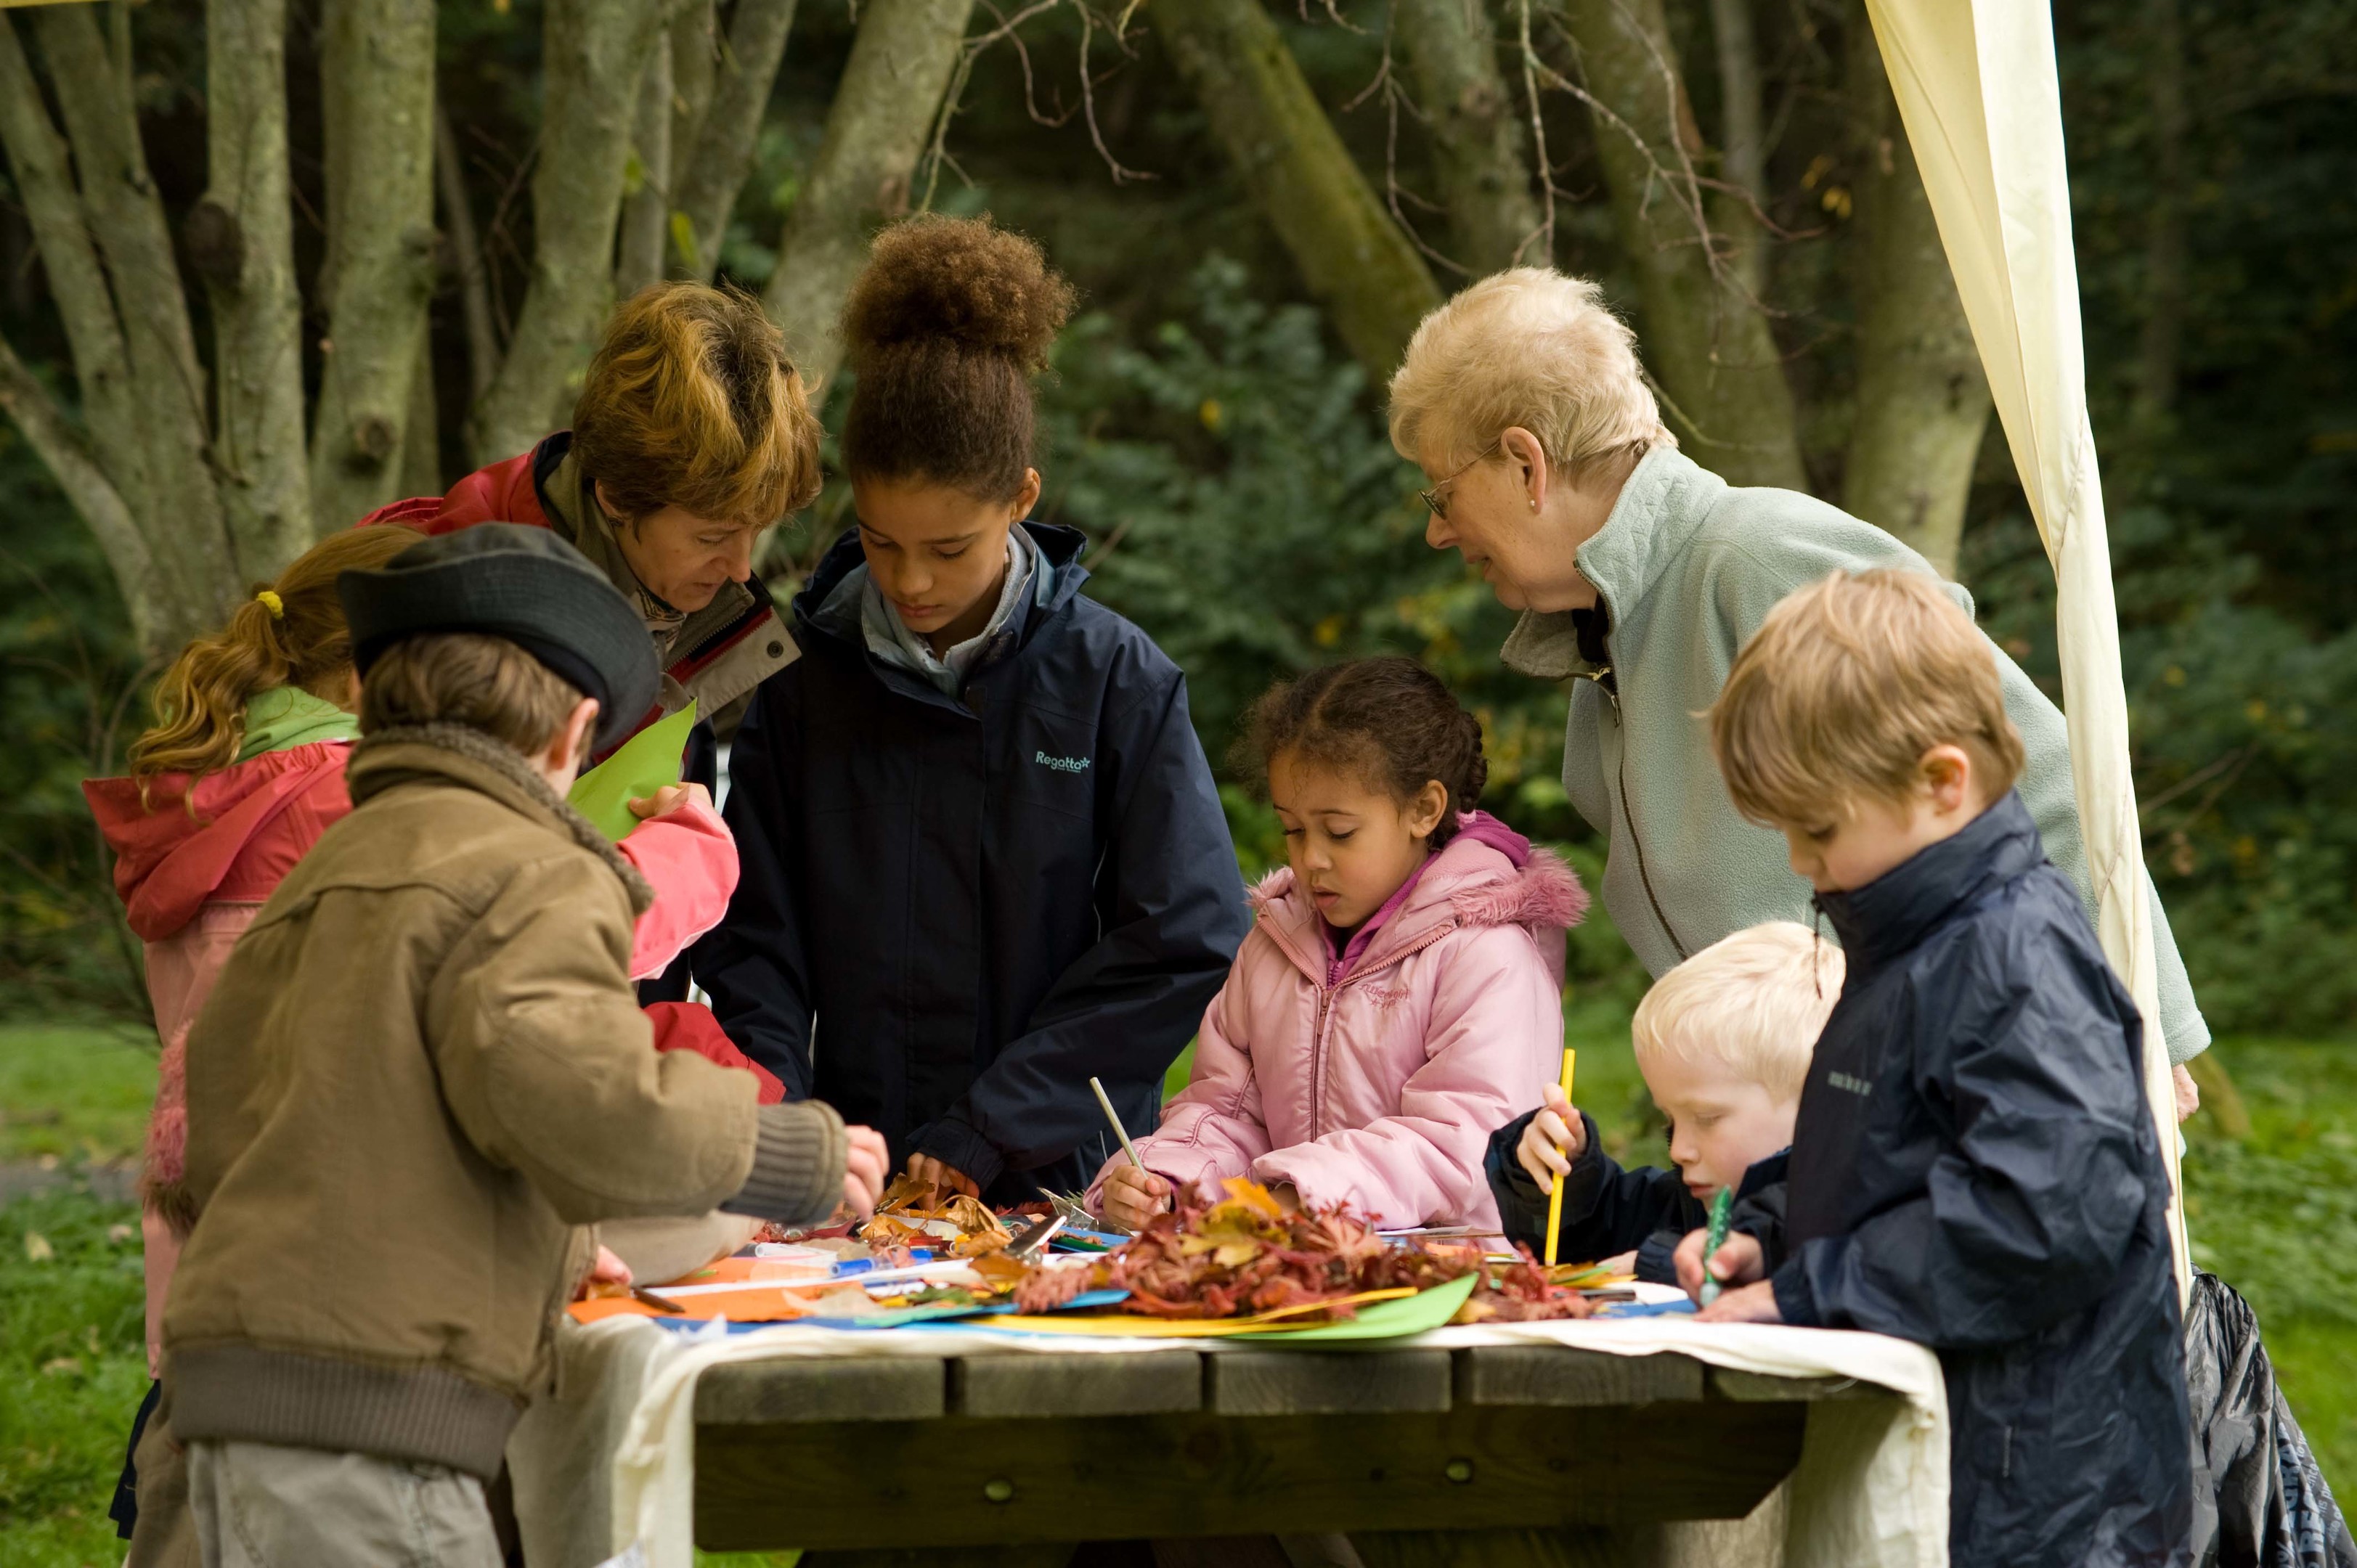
x,y
68,458
724,142
241,241
594,52
467,249
36,153
902,60
647,185
195,554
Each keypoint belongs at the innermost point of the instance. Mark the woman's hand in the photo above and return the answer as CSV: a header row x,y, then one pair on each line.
x,y
865,1162
1132,1197
669,798
934,1174
1737,1262
1750,1304
1555,1137
2189,1094
608,1271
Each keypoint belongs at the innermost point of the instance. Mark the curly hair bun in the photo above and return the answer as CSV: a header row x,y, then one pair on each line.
x,y
945,327
962,279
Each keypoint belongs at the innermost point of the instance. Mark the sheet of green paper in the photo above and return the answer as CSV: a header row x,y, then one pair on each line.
x,y
647,762
1384,1320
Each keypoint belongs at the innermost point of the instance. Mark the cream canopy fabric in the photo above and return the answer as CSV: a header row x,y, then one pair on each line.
x,y
1977,89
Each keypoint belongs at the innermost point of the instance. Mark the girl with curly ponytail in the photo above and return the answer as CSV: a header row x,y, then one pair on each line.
x,y
1402,994
287,643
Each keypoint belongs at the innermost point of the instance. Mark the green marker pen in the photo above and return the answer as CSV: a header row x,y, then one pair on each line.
x,y
1720,1206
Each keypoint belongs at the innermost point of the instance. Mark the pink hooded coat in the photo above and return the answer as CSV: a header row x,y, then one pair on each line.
x,y
1379,1089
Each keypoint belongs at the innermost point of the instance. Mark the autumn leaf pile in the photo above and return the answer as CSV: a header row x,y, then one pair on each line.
x,y
1243,1254
909,1215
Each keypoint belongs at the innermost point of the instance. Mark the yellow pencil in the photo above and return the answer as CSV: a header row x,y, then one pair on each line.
x,y
1554,1191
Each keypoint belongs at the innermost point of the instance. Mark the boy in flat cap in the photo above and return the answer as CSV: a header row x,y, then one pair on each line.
x,y
424,1073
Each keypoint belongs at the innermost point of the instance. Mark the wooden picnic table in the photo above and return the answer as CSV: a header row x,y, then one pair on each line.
x,y
1013,1457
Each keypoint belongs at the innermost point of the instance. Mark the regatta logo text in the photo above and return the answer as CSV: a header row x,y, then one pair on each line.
x,y
1856,1086
1062,764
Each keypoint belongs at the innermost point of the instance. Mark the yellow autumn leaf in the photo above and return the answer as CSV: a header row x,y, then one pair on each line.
x,y
37,1249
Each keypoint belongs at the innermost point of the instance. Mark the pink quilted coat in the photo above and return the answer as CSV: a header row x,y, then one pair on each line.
x,y
1377,1082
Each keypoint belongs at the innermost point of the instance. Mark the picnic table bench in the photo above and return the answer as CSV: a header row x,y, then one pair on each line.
x,y
1012,1458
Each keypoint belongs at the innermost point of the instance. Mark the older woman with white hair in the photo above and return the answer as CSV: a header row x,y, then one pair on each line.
x,y
1640,574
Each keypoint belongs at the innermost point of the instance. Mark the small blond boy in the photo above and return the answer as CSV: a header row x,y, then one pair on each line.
x,y
1723,1041
1974,1166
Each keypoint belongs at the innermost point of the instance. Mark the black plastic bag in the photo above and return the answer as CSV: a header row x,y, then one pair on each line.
x,y
2259,1500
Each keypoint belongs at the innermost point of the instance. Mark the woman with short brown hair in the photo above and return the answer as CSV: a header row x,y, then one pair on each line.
x,y
692,436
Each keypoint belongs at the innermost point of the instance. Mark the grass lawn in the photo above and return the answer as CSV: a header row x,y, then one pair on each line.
x,y
2270,1211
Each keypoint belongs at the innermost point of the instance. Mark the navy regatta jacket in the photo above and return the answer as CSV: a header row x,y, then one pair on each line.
x,y
1974,1168
952,912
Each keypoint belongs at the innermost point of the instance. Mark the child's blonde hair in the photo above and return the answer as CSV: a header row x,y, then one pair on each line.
x,y
1753,1003
1844,688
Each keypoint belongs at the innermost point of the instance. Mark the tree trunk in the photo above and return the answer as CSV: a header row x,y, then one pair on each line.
x,y
1742,136
1706,335
421,445
381,251
241,240
646,209
45,183
467,261
723,144
1485,181
595,54
1353,256
198,566
1923,397
901,60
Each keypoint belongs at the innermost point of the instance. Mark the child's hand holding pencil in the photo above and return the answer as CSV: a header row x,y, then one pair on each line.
x,y
1554,1139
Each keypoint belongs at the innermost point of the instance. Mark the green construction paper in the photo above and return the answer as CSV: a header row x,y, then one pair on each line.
x,y
648,761
1384,1320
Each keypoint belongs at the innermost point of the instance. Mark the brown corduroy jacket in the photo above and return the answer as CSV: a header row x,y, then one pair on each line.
x,y
422,1074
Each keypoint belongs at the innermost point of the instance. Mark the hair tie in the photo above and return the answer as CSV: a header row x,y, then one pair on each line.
x,y
270,601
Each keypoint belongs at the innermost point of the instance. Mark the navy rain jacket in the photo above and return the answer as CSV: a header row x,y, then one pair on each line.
x,y
980,902
1608,1207
1974,1168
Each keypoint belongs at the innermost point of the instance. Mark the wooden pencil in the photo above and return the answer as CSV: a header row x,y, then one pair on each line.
x,y
1555,1189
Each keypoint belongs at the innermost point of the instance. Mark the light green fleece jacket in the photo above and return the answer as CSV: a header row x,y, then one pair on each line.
x,y
1687,566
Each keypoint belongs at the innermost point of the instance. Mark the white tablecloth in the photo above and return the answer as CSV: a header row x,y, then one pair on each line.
x,y
607,1465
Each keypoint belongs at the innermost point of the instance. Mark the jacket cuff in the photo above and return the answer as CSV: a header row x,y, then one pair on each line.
x,y
960,1145
1797,1304
797,1161
1657,1257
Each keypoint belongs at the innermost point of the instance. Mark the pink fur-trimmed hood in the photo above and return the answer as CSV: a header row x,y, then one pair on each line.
x,y
1487,875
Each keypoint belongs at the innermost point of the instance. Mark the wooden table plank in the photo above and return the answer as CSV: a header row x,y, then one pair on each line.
x,y
1030,1383
882,1388
963,1480
1728,1382
1556,1375
1324,1382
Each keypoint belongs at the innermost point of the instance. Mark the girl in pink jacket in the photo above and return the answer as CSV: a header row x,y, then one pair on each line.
x,y
1400,997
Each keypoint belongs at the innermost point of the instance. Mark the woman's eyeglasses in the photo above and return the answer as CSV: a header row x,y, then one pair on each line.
x,y
1437,498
